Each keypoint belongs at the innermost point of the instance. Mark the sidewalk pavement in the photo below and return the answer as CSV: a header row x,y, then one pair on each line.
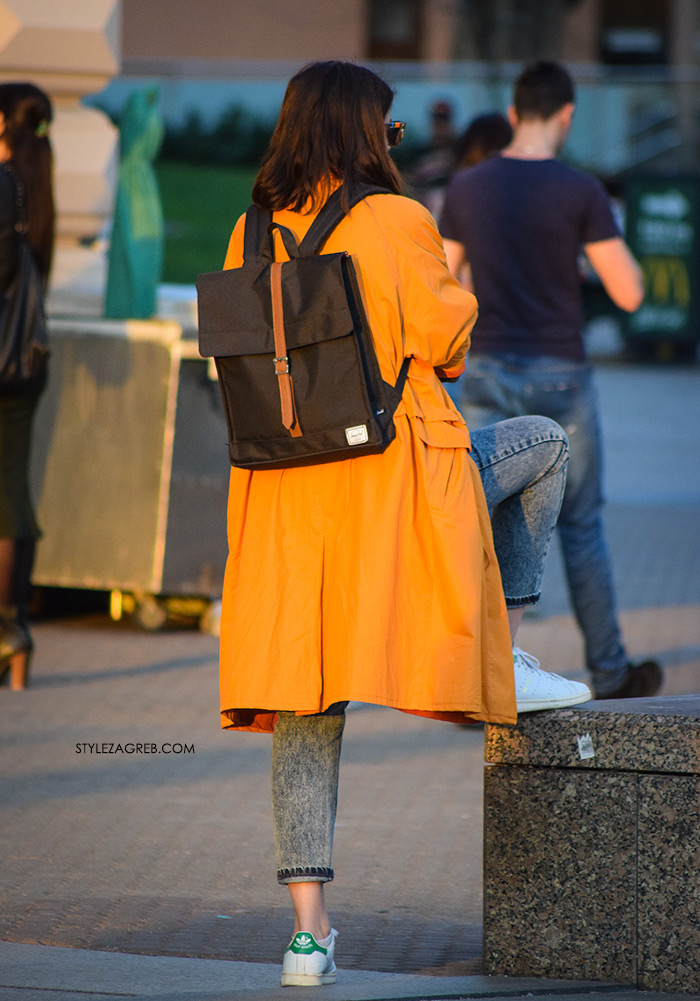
x,y
39,973
148,871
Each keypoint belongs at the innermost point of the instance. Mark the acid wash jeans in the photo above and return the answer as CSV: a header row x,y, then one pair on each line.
x,y
522,463
497,386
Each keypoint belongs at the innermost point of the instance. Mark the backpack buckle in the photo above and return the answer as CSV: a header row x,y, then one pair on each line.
x,y
283,361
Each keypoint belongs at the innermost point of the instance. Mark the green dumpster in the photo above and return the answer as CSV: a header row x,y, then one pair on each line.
x,y
663,232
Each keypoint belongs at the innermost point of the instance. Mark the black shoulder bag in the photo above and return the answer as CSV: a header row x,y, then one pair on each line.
x,y
24,344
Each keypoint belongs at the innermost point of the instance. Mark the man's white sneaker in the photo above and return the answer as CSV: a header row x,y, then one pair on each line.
x,y
308,963
536,689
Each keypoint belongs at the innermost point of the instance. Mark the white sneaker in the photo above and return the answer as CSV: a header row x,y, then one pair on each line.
x,y
307,963
535,689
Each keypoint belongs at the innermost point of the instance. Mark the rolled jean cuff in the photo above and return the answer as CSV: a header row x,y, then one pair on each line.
x,y
529,599
305,874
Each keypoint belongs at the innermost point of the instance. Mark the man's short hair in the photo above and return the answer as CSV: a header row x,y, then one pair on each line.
x,y
542,89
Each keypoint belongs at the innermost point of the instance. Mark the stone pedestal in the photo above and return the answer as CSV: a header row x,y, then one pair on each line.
x,y
592,844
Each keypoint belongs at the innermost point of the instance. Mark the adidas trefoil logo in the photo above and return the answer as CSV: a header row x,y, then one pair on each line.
x,y
305,943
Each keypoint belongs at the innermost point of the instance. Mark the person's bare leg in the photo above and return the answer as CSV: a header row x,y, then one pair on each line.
x,y
515,617
310,912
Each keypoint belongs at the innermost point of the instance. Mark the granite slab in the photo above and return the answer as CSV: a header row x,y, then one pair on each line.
x,y
592,844
668,882
654,735
560,882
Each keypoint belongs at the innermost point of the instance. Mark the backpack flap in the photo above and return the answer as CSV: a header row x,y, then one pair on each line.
x,y
235,306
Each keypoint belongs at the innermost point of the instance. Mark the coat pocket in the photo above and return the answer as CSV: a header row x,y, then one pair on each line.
x,y
439,444
442,433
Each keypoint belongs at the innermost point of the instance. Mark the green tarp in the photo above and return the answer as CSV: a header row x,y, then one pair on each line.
x,y
135,261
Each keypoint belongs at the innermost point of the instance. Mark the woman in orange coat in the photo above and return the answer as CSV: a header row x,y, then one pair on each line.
x,y
376,578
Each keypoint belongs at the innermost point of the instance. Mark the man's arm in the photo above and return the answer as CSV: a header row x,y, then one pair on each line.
x,y
617,269
458,264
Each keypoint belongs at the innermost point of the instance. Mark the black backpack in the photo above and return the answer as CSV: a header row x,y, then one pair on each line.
x,y
297,369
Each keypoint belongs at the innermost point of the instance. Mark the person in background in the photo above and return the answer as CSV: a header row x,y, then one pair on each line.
x,y
430,173
26,165
485,135
380,578
513,227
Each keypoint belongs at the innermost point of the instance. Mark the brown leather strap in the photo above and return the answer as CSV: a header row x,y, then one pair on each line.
x,y
286,386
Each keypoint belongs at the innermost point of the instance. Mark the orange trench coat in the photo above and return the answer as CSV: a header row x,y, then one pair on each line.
x,y
373,579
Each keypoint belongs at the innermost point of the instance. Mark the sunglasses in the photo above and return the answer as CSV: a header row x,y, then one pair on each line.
x,y
394,133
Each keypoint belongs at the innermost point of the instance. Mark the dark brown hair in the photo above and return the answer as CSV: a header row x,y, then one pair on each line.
x,y
28,113
542,89
331,127
485,134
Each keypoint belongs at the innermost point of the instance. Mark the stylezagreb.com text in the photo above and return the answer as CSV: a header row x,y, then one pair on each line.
x,y
130,748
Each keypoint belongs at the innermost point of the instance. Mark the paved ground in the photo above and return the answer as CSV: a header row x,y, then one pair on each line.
x,y
41,973
170,854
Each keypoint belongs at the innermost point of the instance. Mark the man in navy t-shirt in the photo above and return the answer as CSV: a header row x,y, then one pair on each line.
x,y
513,228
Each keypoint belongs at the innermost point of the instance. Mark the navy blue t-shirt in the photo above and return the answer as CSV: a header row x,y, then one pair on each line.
x,y
523,223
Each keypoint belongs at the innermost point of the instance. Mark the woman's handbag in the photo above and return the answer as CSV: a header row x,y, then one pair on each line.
x,y
24,344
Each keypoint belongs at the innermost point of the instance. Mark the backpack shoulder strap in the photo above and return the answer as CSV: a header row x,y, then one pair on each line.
x,y
332,213
258,244
257,239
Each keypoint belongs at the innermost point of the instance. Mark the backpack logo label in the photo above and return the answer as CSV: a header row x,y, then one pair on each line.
x,y
357,435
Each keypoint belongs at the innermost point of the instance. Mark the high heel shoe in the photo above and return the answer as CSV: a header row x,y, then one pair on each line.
x,y
16,648
16,668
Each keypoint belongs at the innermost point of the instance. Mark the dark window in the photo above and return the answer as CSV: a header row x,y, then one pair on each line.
x,y
395,29
634,32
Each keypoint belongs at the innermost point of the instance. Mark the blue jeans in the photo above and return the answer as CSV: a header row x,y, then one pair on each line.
x,y
522,463
498,386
